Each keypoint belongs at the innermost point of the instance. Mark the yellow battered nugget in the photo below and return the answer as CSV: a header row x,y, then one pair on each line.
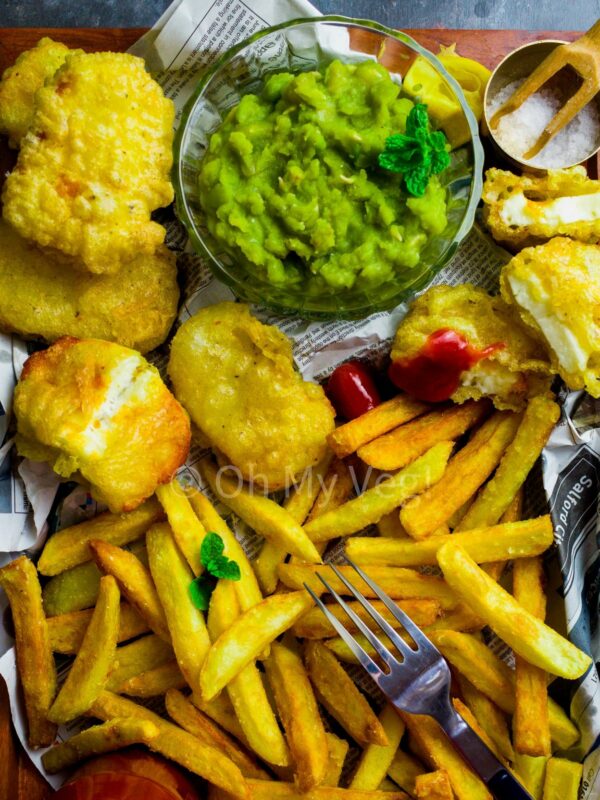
x,y
20,83
529,209
42,296
99,412
513,372
236,378
95,163
555,287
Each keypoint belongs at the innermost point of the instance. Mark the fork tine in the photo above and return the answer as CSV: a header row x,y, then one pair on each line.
x,y
393,636
381,649
413,630
363,657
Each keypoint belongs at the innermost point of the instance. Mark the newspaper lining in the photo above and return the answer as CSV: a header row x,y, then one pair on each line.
x,y
184,42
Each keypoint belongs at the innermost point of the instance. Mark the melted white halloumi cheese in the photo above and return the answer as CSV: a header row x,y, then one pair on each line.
x,y
520,211
129,384
572,354
490,378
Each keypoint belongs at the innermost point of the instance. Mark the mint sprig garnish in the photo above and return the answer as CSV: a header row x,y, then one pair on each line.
x,y
418,153
217,566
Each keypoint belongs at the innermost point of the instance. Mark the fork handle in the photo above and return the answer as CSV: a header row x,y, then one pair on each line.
x,y
501,783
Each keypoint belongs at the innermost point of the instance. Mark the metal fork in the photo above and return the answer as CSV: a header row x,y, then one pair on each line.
x,y
419,683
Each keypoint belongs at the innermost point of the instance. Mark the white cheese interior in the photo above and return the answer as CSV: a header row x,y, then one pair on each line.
x,y
520,211
128,384
532,296
490,378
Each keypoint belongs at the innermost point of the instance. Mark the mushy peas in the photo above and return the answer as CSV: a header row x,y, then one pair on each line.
x,y
290,183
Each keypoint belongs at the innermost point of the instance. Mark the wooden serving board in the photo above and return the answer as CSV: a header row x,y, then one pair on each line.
x,y
19,779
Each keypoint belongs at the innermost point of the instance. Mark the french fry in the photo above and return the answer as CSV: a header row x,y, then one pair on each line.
x,y
105,738
398,448
187,529
530,638
513,513
172,577
385,417
221,711
434,786
262,514
299,504
387,785
531,770
473,723
178,745
280,790
375,760
457,619
338,750
372,505
496,680
501,542
35,663
70,547
153,682
181,710
135,582
345,654
489,716
404,770
390,526
135,658
315,625
89,673
531,724
539,419
246,691
247,588
442,756
66,631
76,588
399,583
339,695
299,713
247,637
562,779
466,472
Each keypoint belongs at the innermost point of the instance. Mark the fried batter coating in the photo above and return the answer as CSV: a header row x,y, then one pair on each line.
x,y
95,163
510,374
20,83
555,287
236,378
98,412
45,297
529,209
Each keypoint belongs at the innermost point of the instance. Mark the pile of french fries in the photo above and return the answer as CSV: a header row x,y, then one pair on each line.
x,y
257,689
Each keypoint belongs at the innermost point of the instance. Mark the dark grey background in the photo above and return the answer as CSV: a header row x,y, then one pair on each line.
x,y
526,14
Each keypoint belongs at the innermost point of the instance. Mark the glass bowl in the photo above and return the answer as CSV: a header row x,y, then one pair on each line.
x,y
298,46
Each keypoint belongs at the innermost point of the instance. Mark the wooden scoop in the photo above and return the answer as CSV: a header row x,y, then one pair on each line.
x,y
584,56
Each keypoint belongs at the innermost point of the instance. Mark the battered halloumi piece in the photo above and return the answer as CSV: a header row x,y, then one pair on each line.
x,y
516,370
20,83
100,413
42,296
555,287
95,163
529,209
236,378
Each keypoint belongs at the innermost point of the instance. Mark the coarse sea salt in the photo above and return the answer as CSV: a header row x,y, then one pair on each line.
x,y
518,131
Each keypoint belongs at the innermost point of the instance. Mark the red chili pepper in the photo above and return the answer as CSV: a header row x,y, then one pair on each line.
x,y
352,390
433,375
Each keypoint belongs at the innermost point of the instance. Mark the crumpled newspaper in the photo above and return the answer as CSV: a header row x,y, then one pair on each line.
x,y
185,40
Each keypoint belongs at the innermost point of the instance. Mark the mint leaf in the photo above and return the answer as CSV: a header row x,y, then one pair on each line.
x,y
416,154
212,547
213,560
231,571
201,590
